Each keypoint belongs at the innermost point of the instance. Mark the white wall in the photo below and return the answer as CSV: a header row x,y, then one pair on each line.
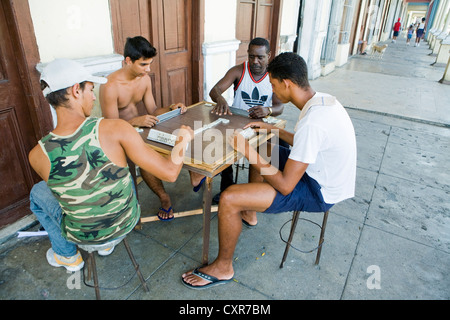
x,y
220,20
289,17
288,26
75,29
316,15
72,28
220,44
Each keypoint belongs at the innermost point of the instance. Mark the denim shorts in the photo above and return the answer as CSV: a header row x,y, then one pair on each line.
x,y
306,195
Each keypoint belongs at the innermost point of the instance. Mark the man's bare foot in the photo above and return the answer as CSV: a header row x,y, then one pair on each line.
x,y
165,214
207,276
165,211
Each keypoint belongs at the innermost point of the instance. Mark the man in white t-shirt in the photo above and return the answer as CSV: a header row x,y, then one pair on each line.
x,y
319,170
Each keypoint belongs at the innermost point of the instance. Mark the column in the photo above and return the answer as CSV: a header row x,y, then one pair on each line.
x,y
446,77
344,44
444,30
328,55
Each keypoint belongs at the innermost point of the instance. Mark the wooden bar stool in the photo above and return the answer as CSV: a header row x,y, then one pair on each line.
x,y
294,220
91,266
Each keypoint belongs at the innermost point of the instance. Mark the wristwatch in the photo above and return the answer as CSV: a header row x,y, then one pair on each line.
x,y
270,111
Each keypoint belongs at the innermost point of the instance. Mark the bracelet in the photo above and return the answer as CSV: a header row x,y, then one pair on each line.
x,y
270,111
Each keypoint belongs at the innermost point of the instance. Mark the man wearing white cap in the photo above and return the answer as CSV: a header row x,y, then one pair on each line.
x,y
87,195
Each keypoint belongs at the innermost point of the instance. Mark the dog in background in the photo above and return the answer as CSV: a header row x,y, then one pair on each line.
x,y
378,51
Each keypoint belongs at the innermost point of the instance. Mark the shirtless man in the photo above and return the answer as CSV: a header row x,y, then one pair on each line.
x,y
120,96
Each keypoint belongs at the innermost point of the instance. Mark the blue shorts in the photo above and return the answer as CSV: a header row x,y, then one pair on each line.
x,y
306,195
419,33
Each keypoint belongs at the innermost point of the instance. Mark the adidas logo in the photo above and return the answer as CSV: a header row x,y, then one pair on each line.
x,y
255,99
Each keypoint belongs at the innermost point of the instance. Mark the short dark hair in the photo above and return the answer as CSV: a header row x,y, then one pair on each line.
x,y
59,98
139,47
289,65
260,42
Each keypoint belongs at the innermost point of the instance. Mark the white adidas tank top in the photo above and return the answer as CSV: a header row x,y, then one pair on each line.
x,y
250,93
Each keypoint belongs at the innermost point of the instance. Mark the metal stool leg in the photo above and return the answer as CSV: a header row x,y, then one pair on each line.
x,y
136,266
291,235
93,266
295,218
322,233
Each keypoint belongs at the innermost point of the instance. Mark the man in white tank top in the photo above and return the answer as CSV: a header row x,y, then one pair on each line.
x,y
250,93
253,93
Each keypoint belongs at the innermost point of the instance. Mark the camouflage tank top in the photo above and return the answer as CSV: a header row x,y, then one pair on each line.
x,y
96,196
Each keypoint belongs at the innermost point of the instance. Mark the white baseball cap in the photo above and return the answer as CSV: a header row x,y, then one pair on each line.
x,y
64,73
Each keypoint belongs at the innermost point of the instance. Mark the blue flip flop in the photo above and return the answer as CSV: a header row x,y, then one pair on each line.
x,y
248,225
213,281
198,187
166,211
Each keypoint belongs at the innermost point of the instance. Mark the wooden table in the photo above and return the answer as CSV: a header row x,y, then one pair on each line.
x,y
208,154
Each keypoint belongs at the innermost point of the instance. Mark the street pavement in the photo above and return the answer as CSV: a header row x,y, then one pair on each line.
x,y
391,241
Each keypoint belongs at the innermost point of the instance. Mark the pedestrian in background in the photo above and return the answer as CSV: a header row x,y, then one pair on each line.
x,y
397,27
409,35
420,32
